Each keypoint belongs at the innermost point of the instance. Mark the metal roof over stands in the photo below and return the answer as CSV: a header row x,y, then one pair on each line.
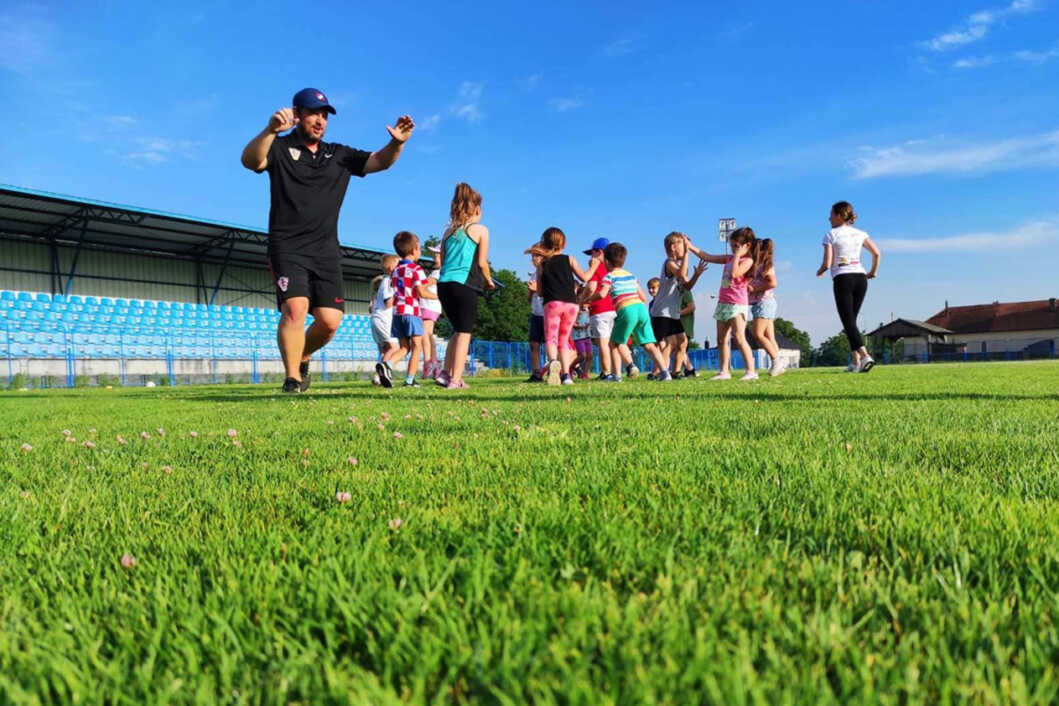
x,y
43,217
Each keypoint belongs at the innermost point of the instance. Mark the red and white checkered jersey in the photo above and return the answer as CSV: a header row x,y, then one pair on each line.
x,y
404,281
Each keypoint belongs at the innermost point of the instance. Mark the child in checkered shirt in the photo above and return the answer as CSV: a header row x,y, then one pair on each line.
x,y
409,284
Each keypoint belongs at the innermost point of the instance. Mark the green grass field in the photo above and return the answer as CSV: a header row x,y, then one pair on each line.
x,y
818,538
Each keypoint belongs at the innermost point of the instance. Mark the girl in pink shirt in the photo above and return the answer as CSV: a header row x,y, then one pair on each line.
x,y
733,302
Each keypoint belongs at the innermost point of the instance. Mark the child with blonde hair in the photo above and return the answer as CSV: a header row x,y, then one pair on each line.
x,y
381,309
673,281
733,302
464,276
558,290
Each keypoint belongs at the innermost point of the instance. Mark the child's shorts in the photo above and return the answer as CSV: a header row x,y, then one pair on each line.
x,y
380,331
600,325
764,309
405,326
663,327
727,312
429,315
536,329
633,321
583,346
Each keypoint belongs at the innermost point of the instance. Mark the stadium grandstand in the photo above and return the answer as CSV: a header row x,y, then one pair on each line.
x,y
89,288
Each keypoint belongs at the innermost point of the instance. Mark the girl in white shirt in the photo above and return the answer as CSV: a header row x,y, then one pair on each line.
x,y
842,248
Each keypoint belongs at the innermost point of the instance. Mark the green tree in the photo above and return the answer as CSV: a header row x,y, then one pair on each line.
x,y
788,330
503,315
835,350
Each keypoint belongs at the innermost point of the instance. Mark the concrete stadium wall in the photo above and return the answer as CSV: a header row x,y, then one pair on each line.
x,y
139,275
1000,342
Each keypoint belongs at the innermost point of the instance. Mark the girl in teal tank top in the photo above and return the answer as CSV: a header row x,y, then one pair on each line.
x,y
460,264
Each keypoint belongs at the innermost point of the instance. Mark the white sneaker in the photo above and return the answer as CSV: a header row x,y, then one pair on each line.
x,y
554,371
851,368
750,376
375,379
779,366
866,364
721,376
631,371
665,376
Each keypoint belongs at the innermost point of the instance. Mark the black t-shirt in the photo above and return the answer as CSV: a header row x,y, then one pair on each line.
x,y
557,280
307,191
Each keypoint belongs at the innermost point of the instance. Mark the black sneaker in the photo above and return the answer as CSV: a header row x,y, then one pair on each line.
x,y
534,378
691,373
602,376
306,377
292,386
385,374
410,384
652,376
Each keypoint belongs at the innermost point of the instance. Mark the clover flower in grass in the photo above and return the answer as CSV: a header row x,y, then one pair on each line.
x,y
232,433
236,443
25,448
144,465
67,432
849,447
167,469
352,460
398,435
305,453
160,431
92,430
121,439
128,560
144,435
343,496
71,440
193,434
352,420
88,444
381,426
395,524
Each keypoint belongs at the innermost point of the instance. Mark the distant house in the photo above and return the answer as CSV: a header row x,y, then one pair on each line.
x,y
789,350
1030,329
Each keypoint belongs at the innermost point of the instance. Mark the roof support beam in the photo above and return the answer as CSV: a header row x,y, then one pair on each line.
x,y
220,275
77,256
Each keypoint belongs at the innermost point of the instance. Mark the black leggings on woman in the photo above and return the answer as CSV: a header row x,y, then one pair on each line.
x,y
849,295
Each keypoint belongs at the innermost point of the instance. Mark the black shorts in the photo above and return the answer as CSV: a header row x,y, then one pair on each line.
x,y
664,326
460,304
536,332
318,280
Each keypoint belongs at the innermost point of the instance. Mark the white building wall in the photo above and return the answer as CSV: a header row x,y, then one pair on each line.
x,y
1000,342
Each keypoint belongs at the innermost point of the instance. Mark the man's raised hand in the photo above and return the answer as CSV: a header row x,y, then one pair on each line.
x,y
283,119
403,128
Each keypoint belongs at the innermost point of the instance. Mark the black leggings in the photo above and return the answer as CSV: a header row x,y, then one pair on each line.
x,y
460,304
849,295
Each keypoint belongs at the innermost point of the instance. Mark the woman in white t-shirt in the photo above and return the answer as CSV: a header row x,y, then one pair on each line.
x,y
842,247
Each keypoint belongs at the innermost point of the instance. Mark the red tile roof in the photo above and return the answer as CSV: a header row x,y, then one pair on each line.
x,y
999,316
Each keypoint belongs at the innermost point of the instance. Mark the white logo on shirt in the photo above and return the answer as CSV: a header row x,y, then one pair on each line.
x,y
295,153
282,283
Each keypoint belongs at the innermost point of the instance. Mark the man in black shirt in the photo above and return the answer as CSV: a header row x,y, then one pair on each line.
x,y
308,179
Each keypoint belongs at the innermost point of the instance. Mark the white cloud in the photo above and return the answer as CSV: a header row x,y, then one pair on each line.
x,y
1027,56
978,25
564,104
155,150
467,105
1024,236
531,81
932,158
429,124
620,47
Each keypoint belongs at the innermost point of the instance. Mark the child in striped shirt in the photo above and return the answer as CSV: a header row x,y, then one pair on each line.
x,y
409,284
632,318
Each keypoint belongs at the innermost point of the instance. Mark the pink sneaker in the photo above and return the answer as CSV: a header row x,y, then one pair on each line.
x,y
749,376
721,376
457,385
442,379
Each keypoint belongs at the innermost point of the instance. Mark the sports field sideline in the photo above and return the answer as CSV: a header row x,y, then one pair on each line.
x,y
824,537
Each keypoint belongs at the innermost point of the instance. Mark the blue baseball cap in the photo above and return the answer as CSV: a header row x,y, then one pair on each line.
x,y
312,99
597,244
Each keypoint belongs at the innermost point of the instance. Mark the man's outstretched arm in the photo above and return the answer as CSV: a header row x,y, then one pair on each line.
x,y
255,154
399,134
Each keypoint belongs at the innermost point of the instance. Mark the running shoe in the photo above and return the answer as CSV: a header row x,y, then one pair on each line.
x,y
691,373
721,376
292,386
535,377
554,369
307,379
779,366
602,376
653,376
375,380
631,371
866,364
413,383
385,374
851,368
565,379
457,385
443,379
749,377
665,376
610,378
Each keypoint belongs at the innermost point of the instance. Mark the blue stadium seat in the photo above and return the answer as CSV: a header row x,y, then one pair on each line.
x,y
25,297
7,295
42,297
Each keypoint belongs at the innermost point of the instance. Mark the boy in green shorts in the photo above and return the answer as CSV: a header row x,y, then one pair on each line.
x,y
632,316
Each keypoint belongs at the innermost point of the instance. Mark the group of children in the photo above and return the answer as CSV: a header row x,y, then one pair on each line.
x,y
563,296
573,308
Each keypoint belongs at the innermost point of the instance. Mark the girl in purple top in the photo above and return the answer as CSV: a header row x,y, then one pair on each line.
x,y
733,302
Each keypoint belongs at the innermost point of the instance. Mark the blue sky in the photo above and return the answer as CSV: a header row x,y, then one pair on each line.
x,y
937,120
